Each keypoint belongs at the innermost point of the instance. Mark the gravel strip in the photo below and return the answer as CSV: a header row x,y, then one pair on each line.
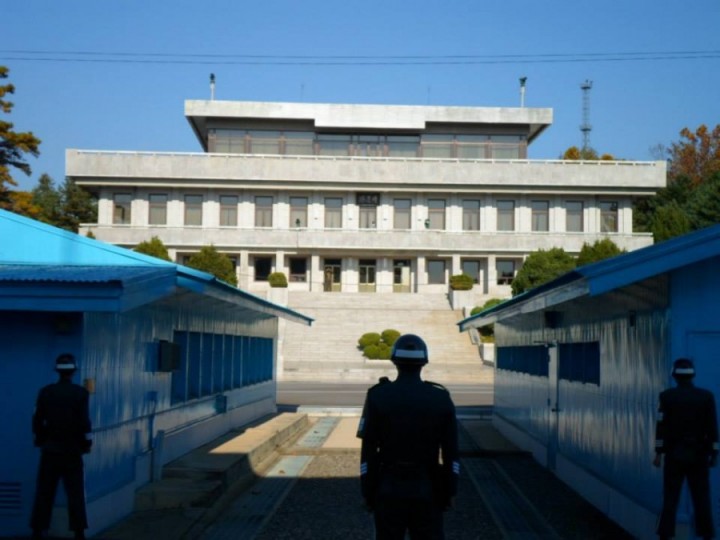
x,y
325,504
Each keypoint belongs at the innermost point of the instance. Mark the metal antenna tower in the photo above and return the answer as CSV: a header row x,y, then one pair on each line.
x,y
585,127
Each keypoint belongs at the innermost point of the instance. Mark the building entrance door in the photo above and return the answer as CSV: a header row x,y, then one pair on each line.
x,y
331,275
401,276
367,275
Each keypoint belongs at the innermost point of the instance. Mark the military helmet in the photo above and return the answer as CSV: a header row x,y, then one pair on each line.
x,y
65,363
683,368
409,350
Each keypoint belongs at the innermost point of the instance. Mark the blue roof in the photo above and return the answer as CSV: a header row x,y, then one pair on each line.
x,y
34,254
607,275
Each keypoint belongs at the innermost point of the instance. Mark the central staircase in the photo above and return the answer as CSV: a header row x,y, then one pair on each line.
x,y
328,350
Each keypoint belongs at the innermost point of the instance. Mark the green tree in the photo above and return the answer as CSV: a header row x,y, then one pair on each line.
x,y
46,196
13,145
597,251
78,206
153,247
670,220
704,207
218,264
540,267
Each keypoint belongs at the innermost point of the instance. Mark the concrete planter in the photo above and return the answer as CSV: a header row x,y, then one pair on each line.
x,y
278,295
462,299
487,353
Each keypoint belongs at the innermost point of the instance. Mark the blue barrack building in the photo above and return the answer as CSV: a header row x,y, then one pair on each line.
x,y
580,362
173,358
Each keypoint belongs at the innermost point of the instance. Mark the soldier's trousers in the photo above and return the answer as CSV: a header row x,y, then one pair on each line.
x,y
698,478
54,467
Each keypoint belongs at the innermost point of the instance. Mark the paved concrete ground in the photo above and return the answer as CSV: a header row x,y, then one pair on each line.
x,y
309,488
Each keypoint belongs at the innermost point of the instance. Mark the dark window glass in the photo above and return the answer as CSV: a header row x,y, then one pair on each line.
x,y
608,216
122,208
263,268
436,272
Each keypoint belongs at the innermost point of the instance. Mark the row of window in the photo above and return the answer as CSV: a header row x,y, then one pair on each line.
x,y
578,362
333,208
430,145
332,269
213,363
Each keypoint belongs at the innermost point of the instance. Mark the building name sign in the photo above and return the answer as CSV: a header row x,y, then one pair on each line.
x,y
368,199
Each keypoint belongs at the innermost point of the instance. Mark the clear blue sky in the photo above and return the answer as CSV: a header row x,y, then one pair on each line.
x,y
133,99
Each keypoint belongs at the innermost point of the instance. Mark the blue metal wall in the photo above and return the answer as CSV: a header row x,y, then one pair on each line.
x,y
606,429
132,400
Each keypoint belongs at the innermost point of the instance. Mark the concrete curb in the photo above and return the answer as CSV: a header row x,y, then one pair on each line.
x,y
196,487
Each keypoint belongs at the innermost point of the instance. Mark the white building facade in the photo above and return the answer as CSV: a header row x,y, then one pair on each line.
x,y
364,198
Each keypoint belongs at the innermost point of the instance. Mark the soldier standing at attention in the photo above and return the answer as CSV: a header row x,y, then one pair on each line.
x,y
406,425
687,435
61,425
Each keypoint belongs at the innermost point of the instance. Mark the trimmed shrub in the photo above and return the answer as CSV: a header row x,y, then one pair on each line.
x,y
370,338
389,337
278,279
461,282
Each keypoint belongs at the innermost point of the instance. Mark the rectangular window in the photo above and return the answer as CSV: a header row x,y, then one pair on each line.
x,y
299,143
579,362
471,215
122,208
228,210
436,272
263,268
368,215
298,270
402,146
193,210
505,271
505,215
472,269
401,214
333,213
540,215
367,271
437,146
471,146
608,217
263,211
334,145
574,216
298,211
157,214
436,214
530,359
264,142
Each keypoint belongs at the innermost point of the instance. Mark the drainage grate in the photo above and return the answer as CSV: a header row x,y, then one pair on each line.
x,y
10,498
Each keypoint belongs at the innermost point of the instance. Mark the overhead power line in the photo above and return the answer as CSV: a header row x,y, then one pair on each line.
x,y
127,57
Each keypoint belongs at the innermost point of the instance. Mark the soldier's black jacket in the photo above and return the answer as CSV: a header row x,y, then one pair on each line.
x,y
687,424
409,423
61,422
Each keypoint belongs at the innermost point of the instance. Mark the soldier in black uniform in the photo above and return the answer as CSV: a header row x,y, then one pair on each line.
x,y
687,435
406,426
61,426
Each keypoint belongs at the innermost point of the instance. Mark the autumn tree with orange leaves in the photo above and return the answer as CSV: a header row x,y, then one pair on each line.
x,y
696,156
13,145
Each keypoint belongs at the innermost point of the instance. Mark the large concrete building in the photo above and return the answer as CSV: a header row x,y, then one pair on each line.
x,y
364,198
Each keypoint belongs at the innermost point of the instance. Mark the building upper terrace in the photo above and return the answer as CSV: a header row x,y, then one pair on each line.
x,y
315,128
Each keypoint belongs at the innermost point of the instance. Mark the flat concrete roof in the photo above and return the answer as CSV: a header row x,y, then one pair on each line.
x,y
364,117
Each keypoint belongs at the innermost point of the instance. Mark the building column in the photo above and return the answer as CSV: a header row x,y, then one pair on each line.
x,y
491,274
420,274
280,265
243,269
316,274
455,265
